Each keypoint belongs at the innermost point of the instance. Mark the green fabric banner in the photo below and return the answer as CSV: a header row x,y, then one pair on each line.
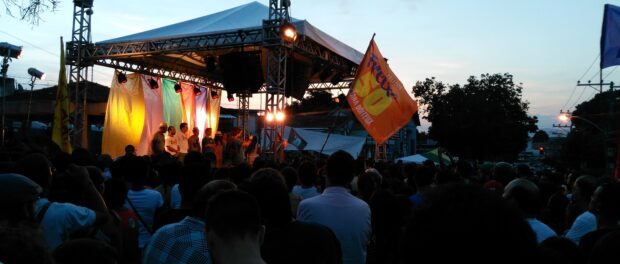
x,y
173,109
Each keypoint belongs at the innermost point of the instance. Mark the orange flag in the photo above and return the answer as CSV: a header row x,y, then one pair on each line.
x,y
378,99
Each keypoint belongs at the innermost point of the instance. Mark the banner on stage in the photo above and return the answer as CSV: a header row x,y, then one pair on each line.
x,y
378,99
296,140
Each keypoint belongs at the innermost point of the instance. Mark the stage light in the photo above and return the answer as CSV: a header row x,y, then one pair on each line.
x,y
214,95
153,83
9,50
280,116
288,32
36,73
177,88
197,91
230,97
122,77
269,117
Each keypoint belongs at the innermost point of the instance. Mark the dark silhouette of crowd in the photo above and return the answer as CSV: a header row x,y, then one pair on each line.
x,y
76,207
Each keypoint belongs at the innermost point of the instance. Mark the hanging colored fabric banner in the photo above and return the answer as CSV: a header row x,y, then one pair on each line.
x,y
60,129
201,110
188,99
154,113
378,99
214,111
173,109
124,117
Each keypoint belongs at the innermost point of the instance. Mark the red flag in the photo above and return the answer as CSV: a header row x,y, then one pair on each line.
x,y
378,99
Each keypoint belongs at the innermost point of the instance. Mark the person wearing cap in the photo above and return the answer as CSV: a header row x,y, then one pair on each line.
x,y
158,142
18,195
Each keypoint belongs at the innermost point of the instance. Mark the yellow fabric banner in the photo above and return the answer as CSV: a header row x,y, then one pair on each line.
x,y
124,118
378,99
60,129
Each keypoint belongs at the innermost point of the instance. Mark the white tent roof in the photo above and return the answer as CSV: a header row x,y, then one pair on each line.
x,y
417,158
248,16
315,141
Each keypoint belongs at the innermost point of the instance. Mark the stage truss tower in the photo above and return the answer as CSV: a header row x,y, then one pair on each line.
x,y
277,54
79,68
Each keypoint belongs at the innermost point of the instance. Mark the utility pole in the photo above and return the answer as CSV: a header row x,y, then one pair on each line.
x,y
610,120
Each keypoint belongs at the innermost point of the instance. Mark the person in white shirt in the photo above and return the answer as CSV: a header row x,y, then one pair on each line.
x,y
182,139
526,196
336,208
172,142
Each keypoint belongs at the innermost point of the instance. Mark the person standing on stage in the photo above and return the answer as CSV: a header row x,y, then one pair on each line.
x,y
172,143
182,139
158,143
193,141
208,146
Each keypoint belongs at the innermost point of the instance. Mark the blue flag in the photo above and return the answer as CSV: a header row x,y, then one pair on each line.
x,y
610,37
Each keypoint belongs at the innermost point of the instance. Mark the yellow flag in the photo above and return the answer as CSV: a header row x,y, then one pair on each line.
x,y
60,129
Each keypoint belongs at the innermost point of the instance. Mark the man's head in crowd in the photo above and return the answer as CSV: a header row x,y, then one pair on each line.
x,y
525,195
340,169
183,128
233,223
172,131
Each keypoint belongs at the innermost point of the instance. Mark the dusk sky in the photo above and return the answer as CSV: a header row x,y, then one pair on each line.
x,y
546,44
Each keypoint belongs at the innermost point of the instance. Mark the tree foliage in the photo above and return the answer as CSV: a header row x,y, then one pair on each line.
x,y
29,10
540,136
315,101
484,119
595,132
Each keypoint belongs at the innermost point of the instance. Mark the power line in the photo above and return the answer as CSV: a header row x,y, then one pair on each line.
x,y
576,101
609,73
583,75
42,49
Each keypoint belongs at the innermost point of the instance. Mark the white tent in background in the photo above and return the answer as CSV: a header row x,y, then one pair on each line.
x,y
315,140
417,158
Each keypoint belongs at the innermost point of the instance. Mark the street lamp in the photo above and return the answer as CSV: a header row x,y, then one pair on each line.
x,y
564,117
8,51
34,75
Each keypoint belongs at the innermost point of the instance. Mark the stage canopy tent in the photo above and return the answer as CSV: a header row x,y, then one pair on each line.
x,y
417,158
212,49
329,144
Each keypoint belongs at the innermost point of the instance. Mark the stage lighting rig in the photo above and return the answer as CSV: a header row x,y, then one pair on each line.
x,y
230,97
122,77
197,91
214,95
153,83
288,32
177,88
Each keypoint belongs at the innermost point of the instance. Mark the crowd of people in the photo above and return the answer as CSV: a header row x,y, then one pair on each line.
x,y
181,205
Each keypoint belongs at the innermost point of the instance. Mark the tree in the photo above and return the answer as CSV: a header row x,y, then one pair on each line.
x,y
483,119
540,136
594,133
30,10
315,101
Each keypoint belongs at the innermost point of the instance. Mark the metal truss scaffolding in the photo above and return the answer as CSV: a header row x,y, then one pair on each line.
x,y
80,67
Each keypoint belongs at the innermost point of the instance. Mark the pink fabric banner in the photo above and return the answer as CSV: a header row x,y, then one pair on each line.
x,y
188,100
153,116
201,110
